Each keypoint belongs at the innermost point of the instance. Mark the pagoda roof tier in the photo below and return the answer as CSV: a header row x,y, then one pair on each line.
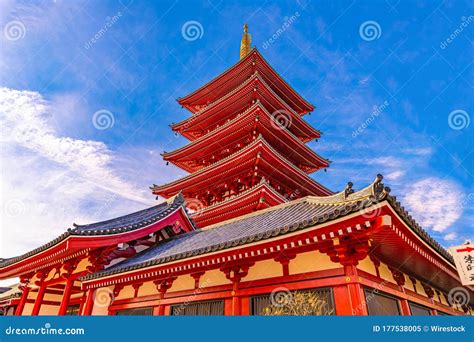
x,y
256,158
235,75
259,197
307,223
237,101
238,132
76,241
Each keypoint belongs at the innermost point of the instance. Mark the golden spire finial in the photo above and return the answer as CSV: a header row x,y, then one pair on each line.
x,y
245,44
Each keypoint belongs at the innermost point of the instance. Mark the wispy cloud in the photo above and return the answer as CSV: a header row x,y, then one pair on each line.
x,y
435,203
422,151
49,180
450,236
25,123
395,175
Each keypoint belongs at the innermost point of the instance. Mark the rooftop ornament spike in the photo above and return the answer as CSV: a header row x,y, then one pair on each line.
x,y
245,43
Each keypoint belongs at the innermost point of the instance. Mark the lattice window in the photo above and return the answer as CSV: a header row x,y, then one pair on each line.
x,y
419,310
146,311
204,308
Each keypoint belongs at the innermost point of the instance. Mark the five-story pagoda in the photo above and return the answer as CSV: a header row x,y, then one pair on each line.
x,y
247,143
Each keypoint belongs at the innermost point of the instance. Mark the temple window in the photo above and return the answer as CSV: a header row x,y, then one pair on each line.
x,y
381,304
418,310
145,311
203,308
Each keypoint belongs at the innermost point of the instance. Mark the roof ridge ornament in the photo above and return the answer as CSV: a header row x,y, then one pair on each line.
x,y
348,190
379,190
176,199
245,43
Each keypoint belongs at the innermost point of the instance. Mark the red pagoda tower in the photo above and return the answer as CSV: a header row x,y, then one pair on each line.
x,y
247,143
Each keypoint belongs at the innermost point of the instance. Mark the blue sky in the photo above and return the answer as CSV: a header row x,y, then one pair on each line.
x,y
392,82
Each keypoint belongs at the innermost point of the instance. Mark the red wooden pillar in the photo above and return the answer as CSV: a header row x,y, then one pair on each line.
x,y
342,300
405,307
348,252
39,299
83,301
284,260
69,268
235,274
162,286
24,287
21,304
244,306
236,309
66,297
89,304
160,310
356,293
228,307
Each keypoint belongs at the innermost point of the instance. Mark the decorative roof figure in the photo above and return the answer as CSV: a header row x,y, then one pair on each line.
x,y
245,44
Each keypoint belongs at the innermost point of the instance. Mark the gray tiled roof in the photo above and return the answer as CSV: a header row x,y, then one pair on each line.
x,y
265,224
130,221
251,229
114,226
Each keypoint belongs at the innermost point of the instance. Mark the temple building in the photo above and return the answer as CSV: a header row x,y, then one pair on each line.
x,y
246,228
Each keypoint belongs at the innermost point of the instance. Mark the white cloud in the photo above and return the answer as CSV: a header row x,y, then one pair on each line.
x,y
435,203
25,122
392,176
388,161
422,151
450,236
49,181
